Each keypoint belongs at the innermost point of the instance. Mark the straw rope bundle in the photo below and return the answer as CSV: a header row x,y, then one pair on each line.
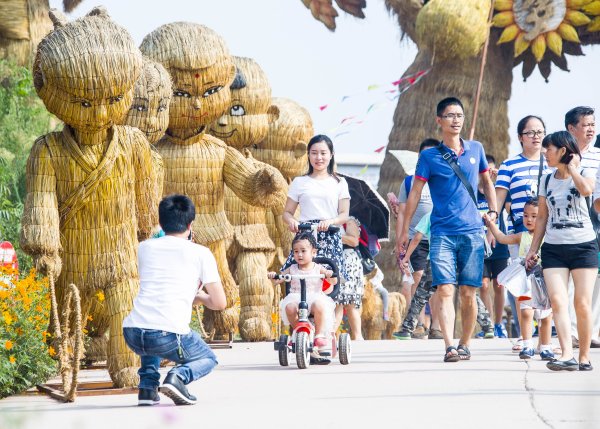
x,y
91,189
23,24
243,125
197,164
284,148
453,29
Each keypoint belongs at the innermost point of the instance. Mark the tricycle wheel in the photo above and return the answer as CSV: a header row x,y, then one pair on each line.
x,y
284,350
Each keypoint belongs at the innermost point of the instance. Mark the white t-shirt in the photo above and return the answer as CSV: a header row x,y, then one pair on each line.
x,y
591,158
318,198
568,216
171,270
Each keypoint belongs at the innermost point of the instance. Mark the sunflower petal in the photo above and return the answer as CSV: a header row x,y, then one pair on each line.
x,y
554,42
595,25
503,19
509,34
576,4
502,5
592,8
521,44
568,33
577,18
538,47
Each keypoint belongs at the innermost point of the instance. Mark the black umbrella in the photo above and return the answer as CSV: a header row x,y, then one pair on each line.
x,y
368,207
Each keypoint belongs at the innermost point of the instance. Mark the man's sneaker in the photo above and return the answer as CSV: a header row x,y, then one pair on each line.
x,y
488,333
174,388
402,335
500,331
435,334
480,334
148,397
527,353
547,355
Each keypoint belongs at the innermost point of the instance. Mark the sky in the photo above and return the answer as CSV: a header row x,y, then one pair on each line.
x,y
315,67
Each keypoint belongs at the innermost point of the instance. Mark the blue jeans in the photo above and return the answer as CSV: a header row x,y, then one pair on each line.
x,y
457,259
192,355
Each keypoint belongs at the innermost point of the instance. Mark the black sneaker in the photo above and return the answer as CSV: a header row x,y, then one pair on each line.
x,y
402,335
174,388
148,397
563,365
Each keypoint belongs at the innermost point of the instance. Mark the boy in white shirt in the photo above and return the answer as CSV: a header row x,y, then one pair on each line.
x,y
175,274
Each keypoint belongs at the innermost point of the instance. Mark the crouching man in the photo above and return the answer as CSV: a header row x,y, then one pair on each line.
x,y
175,274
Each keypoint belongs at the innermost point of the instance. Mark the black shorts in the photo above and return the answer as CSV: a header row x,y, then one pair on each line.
x,y
571,256
493,267
418,259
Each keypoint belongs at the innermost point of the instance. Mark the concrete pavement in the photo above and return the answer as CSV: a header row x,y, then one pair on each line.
x,y
388,384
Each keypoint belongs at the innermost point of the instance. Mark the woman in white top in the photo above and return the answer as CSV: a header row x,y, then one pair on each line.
x,y
323,198
570,247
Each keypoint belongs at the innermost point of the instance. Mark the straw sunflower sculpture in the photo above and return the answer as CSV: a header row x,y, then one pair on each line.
x,y
91,189
523,32
251,250
198,164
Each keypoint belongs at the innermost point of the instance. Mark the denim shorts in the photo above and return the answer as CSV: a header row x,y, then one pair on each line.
x,y
457,259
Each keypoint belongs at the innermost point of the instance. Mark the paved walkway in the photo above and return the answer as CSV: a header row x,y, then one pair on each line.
x,y
389,384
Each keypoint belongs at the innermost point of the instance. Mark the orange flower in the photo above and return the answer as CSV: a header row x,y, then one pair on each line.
x,y
7,317
90,318
100,295
12,359
8,345
51,351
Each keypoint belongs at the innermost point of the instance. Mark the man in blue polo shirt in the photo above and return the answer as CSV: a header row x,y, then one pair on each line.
x,y
456,246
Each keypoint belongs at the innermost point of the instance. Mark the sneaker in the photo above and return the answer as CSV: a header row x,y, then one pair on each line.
x,y
148,397
402,335
174,388
435,334
488,333
500,331
480,334
547,355
320,342
527,353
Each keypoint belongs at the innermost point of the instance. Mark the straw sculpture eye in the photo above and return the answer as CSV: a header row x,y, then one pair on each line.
x,y
139,108
212,91
237,110
162,108
179,93
113,100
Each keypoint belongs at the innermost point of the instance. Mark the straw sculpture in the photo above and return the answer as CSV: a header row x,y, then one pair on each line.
x,y
23,23
441,23
373,325
284,148
198,164
251,250
91,189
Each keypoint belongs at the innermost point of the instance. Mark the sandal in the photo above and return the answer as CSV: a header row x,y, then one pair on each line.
x,y
518,346
451,355
463,352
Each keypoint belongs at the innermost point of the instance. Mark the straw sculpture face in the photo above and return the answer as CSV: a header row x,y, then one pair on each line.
x,y
201,69
149,111
250,113
285,145
84,72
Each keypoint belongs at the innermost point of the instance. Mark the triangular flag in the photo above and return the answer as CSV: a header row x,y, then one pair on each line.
x,y
323,107
372,87
379,149
363,170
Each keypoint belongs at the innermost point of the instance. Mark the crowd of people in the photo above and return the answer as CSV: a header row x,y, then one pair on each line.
x,y
460,222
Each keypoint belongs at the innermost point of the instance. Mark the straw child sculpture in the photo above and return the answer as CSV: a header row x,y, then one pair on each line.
x,y
91,189
198,164
284,147
243,125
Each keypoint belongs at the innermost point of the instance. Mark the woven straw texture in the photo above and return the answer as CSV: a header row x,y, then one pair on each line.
x,y
243,125
284,148
91,189
453,29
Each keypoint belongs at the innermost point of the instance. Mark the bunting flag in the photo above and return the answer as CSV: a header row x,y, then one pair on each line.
x,y
379,149
363,170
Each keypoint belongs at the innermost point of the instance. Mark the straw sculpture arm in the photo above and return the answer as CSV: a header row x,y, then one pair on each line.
x,y
148,191
40,234
256,184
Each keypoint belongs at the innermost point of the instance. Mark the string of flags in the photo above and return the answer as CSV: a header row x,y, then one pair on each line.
x,y
347,123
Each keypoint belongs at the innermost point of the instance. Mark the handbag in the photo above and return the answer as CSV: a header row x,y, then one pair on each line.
x,y
367,261
447,156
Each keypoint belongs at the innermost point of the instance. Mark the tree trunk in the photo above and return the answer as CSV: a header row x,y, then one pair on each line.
x,y
414,119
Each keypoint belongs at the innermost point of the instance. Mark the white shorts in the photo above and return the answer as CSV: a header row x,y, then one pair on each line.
x,y
311,298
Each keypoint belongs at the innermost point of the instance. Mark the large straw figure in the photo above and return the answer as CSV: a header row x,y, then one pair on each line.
x,y
198,164
284,147
243,125
90,188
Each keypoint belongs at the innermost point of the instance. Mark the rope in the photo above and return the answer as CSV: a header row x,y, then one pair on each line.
x,y
69,370
481,69
200,324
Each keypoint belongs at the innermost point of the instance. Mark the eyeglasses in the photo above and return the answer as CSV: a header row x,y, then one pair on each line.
x,y
453,116
531,134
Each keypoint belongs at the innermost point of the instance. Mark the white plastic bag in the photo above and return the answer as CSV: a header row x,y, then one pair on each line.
x,y
514,279
540,300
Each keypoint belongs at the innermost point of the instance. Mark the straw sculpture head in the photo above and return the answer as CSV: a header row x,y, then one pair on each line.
x,y
250,113
84,71
201,68
453,28
152,93
285,145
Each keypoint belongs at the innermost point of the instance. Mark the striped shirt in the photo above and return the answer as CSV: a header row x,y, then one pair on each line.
x,y
591,158
519,176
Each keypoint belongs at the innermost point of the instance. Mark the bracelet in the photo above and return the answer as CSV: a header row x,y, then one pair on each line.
x,y
493,211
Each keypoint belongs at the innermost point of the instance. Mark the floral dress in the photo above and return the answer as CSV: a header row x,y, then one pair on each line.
x,y
353,288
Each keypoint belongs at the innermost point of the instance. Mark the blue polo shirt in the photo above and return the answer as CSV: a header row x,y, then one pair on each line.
x,y
454,212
